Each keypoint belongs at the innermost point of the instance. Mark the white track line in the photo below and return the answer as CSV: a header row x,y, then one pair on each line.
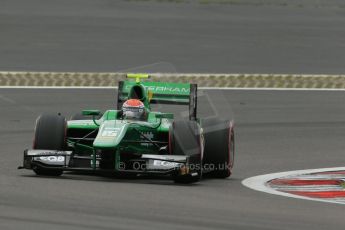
x,y
258,183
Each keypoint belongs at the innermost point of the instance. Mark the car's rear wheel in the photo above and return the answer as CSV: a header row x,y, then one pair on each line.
x,y
219,149
50,134
185,139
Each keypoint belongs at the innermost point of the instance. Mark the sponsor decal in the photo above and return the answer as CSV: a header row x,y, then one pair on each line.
x,y
148,135
165,164
47,152
163,89
53,158
110,132
81,122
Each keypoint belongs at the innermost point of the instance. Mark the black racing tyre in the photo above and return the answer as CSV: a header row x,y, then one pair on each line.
x,y
47,172
50,134
80,116
185,139
219,152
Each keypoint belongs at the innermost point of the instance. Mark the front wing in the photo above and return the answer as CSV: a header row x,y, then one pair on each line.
x,y
147,163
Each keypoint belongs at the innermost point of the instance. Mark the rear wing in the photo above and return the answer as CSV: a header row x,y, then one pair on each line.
x,y
160,93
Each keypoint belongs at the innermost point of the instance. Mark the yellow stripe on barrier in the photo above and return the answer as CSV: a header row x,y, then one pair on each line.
x,y
74,79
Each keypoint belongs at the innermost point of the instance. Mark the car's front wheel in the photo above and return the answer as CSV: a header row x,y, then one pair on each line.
x,y
50,134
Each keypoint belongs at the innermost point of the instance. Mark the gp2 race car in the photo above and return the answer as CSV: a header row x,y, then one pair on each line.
x,y
155,145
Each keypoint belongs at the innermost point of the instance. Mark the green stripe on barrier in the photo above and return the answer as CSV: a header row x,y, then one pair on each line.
x,y
72,79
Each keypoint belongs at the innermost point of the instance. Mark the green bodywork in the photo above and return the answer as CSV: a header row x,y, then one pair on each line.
x,y
114,134
112,130
175,92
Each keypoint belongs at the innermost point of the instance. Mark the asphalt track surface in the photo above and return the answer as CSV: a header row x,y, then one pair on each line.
x,y
275,131
243,36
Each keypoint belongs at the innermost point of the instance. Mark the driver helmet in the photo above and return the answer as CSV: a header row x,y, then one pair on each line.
x,y
133,109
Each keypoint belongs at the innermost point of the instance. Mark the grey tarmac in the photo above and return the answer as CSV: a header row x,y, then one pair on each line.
x,y
240,36
275,131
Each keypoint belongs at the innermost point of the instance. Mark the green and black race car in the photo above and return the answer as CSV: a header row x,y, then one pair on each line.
x,y
154,144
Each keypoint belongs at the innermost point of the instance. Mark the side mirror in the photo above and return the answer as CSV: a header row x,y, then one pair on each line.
x,y
165,115
91,112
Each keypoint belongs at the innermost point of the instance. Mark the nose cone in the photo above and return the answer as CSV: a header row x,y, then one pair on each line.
x,y
110,134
